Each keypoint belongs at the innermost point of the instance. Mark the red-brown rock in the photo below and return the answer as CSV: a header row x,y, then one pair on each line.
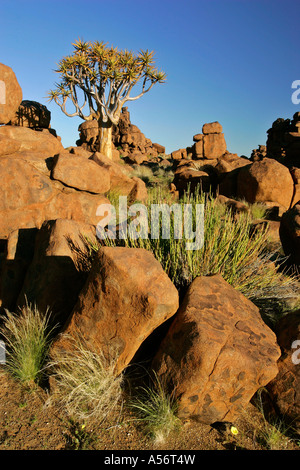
x,y
136,158
17,258
10,94
217,353
81,173
139,191
160,148
198,137
179,154
28,197
126,297
198,149
266,180
18,139
32,114
187,177
212,128
120,180
214,145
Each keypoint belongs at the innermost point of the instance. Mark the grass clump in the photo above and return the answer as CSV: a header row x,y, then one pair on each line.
x,y
258,210
156,410
273,433
27,336
85,382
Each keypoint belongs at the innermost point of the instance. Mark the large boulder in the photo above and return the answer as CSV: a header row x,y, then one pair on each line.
x,y
126,297
179,154
266,181
212,128
228,168
188,177
284,389
59,267
10,94
214,145
217,353
32,114
18,139
81,173
289,232
28,197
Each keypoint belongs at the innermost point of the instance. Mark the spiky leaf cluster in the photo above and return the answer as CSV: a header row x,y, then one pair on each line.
x,y
106,76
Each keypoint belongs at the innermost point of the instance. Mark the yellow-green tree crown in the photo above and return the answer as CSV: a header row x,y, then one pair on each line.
x,y
106,76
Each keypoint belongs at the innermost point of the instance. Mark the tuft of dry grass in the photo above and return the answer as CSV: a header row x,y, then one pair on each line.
x,y
85,382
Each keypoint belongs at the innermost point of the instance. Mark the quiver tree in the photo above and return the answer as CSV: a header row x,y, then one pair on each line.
x,y
96,81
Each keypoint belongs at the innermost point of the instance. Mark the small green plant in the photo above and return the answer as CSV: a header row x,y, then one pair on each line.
x,y
27,336
85,382
258,210
156,410
79,437
274,433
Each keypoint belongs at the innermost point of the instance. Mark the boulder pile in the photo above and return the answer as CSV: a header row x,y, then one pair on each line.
x,y
208,163
128,140
41,180
283,142
216,352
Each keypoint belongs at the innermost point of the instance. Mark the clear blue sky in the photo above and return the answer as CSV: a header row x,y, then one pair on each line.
x,y
231,61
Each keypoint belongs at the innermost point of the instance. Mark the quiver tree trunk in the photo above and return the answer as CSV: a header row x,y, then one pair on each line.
x,y
105,138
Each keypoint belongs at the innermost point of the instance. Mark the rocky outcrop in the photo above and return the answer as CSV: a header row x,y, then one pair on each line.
x,y
259,153
186,178
28,197
15,139
40,179
239,177
217,353
208,154
283,141
32,114
128,140
209,145
10,94
126,296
